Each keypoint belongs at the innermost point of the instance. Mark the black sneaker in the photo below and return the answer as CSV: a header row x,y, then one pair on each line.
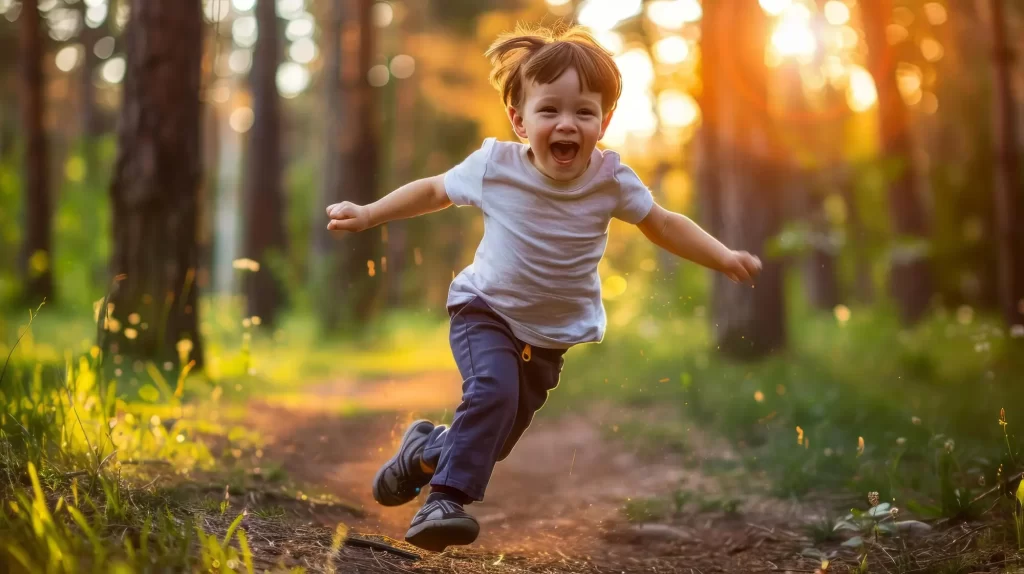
x,y
402,477
442,522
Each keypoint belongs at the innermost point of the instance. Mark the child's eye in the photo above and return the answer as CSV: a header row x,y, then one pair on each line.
x,y
586,112
548,110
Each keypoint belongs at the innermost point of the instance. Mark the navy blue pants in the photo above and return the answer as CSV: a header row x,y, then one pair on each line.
x,y
504,382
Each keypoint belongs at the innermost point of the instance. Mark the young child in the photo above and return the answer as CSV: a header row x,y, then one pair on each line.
x,y
533,289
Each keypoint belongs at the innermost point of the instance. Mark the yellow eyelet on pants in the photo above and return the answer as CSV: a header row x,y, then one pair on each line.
x,y
527,353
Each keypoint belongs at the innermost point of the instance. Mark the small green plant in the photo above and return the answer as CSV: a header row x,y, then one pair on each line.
x,y
879,520
217,555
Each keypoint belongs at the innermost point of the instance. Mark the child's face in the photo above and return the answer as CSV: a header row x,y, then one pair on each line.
x,y
562,123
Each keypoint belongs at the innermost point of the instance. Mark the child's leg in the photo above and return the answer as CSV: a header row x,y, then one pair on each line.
x,y
485,350
539,376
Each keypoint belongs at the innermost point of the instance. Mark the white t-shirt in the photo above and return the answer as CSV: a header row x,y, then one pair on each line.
x,y
536,265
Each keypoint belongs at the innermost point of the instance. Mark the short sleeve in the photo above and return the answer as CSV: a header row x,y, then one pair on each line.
x,y
464,182
635,200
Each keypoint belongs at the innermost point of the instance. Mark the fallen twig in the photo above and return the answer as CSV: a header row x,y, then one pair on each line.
x,y
371,544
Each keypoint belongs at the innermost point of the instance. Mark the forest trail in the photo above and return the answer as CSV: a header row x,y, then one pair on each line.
x,y
555,505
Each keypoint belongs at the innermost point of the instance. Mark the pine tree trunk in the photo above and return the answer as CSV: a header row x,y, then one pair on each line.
x,y
361,252
264,204
36,260
325,253
1009,202
406,96
749,321
910,280
154,192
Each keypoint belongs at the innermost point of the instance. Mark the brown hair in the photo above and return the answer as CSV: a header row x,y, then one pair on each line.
x,y
541,55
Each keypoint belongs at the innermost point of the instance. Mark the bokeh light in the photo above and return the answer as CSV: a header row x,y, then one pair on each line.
x,y
678,109
292,79
793,35
244,31
935,13
302,51
671,50
378,75
674,14
300,27
606,14
611,41
382,14
216,10
837,13
241,119
775,7
289,9
104,47
861,93
95,15
64,23
240,61
403,66
67,58
243,5
113,70
931,49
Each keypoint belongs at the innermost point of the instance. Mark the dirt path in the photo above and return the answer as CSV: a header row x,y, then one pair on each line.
x,y
555,505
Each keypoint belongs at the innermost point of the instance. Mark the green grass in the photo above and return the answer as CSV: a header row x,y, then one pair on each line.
x,y
91,431
906,393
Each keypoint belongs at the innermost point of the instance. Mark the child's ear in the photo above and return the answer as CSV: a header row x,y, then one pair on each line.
x,y
604,124
517,122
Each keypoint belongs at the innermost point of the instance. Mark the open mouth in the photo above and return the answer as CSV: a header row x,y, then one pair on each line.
x,y
564,152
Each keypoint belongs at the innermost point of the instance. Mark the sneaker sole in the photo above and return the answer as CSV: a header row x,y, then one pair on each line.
x,y
436,535
380,472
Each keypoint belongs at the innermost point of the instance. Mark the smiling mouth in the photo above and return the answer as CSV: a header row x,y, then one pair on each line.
x,y
564,152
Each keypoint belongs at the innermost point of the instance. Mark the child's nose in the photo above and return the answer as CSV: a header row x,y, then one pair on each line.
x,y
566,124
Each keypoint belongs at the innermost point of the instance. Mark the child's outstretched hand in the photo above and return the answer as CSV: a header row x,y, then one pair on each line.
x,y
741,266
347,217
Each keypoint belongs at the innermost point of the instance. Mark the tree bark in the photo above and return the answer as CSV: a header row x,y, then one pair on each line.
x,y
910,279
351,268
264,205
361,287
749,322
324,256
1009,205
154,192
36,259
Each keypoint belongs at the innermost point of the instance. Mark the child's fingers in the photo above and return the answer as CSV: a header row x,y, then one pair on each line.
x,y
341,210
342,225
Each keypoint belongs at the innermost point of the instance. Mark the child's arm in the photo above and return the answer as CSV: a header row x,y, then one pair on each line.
x,y
417,198
680,236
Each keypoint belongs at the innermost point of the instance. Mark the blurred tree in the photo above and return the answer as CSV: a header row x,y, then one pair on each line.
x,y
749,322
155,186
350,164
910,280
264,197
91,117
1009,202
709,194
36,254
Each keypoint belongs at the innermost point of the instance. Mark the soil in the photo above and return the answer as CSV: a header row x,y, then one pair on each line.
x,y
555,505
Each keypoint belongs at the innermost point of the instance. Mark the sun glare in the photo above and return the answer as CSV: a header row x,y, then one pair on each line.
x,y
861,93
793,35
